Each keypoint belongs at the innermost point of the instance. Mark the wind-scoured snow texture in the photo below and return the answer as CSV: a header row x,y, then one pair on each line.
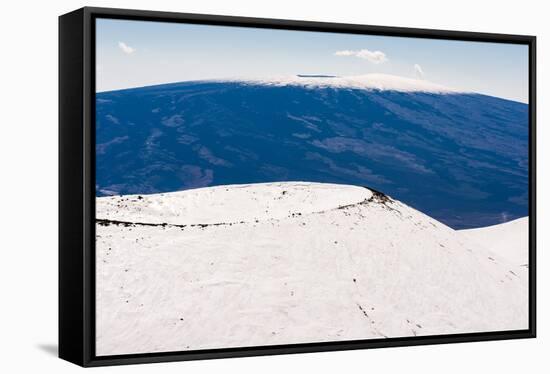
x,y
284,263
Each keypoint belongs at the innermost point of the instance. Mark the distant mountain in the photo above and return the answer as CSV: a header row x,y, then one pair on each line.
x,y
459,157
285,263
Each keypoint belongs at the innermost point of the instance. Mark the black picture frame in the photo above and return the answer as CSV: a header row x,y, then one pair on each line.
x,y
77,185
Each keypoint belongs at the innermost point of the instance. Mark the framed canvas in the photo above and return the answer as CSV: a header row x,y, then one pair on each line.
x,y
236,186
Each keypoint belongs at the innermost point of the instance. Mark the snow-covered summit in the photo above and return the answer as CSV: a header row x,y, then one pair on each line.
x,y
381,82
230,203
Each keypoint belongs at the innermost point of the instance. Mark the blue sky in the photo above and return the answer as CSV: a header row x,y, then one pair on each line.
x,y
142,53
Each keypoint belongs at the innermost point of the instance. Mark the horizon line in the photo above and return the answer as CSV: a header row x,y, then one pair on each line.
x,y
329,77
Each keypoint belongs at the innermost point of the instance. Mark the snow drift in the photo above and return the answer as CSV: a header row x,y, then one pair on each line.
x,y
284,263
510,240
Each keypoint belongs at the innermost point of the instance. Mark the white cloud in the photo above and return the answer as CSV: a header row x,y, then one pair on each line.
x,y
126,48
344,53
418,71
376,57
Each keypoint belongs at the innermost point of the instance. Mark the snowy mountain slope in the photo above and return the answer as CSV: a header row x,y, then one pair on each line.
x,y
509,239
286,263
